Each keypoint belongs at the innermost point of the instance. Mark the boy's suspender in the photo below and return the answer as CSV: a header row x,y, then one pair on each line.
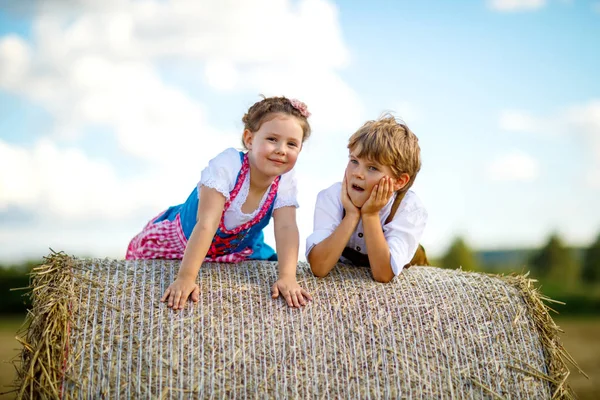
x,y
395,206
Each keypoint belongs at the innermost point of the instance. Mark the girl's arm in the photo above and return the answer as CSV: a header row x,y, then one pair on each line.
x,y
210,208
286,240
325,255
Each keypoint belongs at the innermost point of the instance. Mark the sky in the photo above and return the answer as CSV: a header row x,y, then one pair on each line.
x,y
110,110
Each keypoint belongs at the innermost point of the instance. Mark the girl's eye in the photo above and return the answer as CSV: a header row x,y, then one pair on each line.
x,y
373,168
353,161
292,144
271,139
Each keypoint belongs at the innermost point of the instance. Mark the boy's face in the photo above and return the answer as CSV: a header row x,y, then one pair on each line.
x,y
362,175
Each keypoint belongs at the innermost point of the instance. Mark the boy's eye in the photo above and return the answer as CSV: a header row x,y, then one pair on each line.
x,y
353,161
372,168
293,144
271,139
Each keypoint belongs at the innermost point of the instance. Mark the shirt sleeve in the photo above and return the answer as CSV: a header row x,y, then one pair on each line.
x,y
221,172
329,212
287,193
403,234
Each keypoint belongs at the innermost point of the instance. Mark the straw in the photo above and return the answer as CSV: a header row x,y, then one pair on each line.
x,y
98,329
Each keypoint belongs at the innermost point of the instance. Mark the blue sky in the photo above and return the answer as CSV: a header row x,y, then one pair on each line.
x,y
109,111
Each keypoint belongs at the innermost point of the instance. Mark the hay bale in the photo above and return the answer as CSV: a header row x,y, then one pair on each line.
x,y
97,329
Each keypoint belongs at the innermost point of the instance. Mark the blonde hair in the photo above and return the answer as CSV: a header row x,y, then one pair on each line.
x,y
389,142
264,110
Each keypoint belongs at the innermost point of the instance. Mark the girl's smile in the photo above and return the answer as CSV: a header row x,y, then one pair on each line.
x,y
274,148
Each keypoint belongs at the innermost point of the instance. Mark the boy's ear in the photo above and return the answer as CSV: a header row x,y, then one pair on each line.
x,y
247,138
401,181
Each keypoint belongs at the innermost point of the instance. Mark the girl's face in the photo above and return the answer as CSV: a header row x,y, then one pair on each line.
x,y
274,148
362,175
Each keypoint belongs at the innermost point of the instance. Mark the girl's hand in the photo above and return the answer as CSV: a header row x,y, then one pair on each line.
x,y
350,208
293,294
380,195
179,291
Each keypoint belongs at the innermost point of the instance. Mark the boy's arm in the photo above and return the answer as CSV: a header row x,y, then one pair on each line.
x,y
389,251
378,249
287,242
325,254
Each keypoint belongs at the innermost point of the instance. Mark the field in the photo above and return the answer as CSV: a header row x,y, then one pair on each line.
x,y
581,338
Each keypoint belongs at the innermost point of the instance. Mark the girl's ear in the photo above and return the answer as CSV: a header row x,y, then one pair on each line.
x,y
247,138
400,182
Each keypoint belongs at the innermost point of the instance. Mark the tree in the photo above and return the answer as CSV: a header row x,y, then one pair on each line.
x,y
460,255
555,263
591,263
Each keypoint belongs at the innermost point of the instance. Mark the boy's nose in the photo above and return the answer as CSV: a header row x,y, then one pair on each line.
x,y
358,173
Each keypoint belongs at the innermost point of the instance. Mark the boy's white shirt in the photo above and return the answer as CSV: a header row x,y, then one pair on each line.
x,y
402,233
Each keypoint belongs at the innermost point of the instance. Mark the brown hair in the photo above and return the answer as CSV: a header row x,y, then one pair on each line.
x,y
262,111
389,142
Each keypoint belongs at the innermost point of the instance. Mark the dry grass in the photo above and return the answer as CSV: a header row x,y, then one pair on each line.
x,y
98,330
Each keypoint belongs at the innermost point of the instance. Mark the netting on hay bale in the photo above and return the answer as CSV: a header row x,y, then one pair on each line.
x,y
97,329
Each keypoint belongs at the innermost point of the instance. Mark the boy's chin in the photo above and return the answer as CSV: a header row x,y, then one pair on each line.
x,y
357,204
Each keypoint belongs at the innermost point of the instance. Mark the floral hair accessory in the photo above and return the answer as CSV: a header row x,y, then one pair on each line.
x,y
301,107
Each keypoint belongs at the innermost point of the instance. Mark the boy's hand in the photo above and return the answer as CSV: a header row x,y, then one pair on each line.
x,y
289,289
350,208
380,195
178,293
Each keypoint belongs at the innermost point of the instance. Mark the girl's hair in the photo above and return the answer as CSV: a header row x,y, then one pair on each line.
x,y
389,142
262,111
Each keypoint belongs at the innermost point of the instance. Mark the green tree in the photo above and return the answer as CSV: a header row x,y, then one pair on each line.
x,y
460,255
555,263
591,263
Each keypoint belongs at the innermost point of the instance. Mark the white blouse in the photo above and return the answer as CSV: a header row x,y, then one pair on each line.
x,y
221,174
402,233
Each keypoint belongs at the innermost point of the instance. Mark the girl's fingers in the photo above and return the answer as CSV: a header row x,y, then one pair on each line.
x,y
196,294
183,300
301,299
175,299
274,292
295,301
288,299
166,295
306,294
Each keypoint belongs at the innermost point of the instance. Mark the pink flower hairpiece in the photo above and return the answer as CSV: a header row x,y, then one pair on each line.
x,y
301,107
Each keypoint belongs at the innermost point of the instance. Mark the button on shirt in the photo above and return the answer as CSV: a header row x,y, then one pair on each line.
x,y
402,233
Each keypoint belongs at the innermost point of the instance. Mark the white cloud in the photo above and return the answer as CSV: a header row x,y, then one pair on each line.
x,y
519,121
516,5
582,120
96,65
514,166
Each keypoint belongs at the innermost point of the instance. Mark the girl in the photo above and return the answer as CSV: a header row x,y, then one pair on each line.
x,y
223,218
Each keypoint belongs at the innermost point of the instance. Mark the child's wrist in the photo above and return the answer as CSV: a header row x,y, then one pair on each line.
x,y
366,217
187,275
353,215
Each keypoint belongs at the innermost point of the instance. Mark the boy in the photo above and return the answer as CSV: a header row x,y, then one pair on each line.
x,y
372,208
